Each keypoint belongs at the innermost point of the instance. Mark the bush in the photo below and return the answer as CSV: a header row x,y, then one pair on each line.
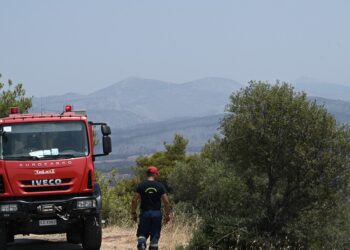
x,y
116,198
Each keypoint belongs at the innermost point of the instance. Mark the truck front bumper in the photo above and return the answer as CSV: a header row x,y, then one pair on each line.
x,y
49,215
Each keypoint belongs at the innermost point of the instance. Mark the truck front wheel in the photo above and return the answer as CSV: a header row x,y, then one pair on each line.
x,y
10,237
3,236
92,235
74,234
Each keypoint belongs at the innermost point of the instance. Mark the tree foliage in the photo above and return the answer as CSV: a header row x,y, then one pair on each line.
x,y
277,177
166,160
13,96
292,157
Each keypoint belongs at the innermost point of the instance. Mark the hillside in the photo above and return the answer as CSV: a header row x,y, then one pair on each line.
x,y
340,109
149,138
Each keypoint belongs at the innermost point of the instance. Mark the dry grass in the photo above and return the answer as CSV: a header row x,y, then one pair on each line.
x,y
122,238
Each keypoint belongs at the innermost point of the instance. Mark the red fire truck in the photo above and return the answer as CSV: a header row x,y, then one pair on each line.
x,y
47,182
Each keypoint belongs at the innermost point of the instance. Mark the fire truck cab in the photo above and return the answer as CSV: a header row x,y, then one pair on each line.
x,y
47,182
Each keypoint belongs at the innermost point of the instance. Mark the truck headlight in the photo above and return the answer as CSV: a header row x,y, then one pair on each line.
x,y
8,208
86,204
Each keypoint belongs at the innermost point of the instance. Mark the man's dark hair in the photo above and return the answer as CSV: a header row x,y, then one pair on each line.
x,y
149,174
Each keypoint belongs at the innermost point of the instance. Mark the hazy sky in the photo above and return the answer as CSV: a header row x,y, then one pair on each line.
x,y
54,47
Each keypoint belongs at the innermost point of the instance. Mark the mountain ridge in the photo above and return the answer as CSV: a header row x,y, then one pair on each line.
x,y
323,89
147,100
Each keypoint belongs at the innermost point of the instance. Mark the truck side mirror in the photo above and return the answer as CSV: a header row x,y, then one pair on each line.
x,y
105,129
107,144
106,139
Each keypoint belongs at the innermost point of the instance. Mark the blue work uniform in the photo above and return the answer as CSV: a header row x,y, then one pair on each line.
x,y
150,222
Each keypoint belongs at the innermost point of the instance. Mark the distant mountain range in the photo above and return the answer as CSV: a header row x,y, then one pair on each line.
x,y
144,113
323,89
135,101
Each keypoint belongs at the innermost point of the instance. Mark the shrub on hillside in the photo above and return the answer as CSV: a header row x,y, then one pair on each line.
x,y
116,198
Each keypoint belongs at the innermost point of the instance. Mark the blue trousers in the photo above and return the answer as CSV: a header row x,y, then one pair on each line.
x,y
150,225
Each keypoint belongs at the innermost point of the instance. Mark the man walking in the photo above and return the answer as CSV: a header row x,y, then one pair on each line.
x,y
152,193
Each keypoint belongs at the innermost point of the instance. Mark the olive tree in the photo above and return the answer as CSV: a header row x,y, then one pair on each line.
x,y
13,96
285,175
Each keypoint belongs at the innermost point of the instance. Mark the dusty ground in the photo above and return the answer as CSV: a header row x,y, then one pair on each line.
x,y
114,238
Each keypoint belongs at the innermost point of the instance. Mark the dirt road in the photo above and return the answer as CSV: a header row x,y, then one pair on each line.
x,y
114,238
60,244
31,244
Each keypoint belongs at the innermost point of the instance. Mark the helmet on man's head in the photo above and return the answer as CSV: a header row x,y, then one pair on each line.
x,y
153,170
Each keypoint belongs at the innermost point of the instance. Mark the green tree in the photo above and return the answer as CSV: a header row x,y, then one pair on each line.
x,y
13,96
166,160
186,180
283,179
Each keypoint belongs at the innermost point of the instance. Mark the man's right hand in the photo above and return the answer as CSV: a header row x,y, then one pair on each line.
x,y
167,208
167,218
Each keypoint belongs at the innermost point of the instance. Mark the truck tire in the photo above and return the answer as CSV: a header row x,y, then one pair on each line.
x,y
74,234
10,237
92,234
3,236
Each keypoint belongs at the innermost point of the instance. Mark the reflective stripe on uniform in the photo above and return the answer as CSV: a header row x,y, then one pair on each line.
x,y
141,239
153,245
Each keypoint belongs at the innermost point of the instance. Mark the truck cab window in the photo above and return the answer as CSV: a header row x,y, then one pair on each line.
x,y
44,140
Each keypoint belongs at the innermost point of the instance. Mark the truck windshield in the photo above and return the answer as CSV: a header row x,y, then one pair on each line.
x,y
47,140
